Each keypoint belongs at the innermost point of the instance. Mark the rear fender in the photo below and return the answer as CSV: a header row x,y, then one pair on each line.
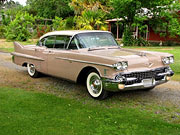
x,y
18,47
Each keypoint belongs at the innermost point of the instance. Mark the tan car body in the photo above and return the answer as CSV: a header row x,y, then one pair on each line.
x,y
68,64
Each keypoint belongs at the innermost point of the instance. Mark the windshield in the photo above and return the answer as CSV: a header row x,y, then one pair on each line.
x,y
96,39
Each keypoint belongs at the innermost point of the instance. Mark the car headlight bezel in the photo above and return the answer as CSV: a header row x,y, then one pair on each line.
x,y
168,60
171,59
121,65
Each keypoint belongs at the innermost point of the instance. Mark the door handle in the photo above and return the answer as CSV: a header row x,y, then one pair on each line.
x,y
51,52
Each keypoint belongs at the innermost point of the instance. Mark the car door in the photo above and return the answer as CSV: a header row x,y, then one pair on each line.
x,y
70,66
43,50
64,64
57,67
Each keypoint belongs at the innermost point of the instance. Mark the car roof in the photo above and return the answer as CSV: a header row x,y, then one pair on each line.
x,y
70,32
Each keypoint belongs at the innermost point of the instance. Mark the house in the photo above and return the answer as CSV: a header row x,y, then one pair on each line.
x,y
116,26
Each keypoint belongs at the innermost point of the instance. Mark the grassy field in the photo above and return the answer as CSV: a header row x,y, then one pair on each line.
x,y
7,46
32,113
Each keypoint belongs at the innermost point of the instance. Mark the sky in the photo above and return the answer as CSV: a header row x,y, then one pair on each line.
x,y
22,2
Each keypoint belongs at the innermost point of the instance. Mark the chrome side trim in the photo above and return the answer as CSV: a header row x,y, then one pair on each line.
x,y
26,56
87,62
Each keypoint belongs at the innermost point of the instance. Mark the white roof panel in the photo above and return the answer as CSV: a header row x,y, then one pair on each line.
x,y
70,32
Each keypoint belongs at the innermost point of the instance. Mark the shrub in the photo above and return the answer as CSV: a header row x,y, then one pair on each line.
x,y
66,24
142,42
58,23
128,39
20,28
2,31
41,30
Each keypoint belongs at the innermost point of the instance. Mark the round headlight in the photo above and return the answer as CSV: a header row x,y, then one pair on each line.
x,y
121,65
171,59
118,66
124,65
166,60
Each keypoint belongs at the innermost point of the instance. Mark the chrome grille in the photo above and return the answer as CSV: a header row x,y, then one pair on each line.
x,y
143,75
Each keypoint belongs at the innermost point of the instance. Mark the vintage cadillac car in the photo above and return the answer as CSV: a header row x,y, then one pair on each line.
x,y
95,59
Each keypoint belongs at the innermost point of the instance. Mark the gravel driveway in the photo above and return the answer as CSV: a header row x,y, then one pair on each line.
x,y
169,92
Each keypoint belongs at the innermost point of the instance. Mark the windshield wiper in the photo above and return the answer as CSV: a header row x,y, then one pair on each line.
x,y
93,49
114,48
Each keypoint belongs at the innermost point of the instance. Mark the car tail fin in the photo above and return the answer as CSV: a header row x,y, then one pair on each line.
x,y
17,46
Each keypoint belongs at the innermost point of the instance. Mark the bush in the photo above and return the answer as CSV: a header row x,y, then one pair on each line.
x,y
66,24
142,42
70,23
58,23
20,28
41,30
2,31
128,39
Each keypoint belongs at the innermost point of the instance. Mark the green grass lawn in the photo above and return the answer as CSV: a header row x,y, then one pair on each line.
x,y
31,113
7,46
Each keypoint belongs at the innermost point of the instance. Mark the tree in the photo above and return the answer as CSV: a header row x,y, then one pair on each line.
x,y
2,2
161,13
168,19
49,8
66,24
90,20
92,5
20,28
7,4
130,9
90,14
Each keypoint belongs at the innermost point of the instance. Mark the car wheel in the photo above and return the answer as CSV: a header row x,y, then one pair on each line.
x,y
95,87
32,71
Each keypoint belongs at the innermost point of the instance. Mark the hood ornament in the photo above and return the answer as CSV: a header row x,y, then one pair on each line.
x,y
150,64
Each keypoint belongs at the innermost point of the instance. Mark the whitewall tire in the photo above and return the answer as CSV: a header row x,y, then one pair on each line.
x,y
95,87
32,70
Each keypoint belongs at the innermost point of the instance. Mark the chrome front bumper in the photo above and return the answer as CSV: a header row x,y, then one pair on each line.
x,y
135,81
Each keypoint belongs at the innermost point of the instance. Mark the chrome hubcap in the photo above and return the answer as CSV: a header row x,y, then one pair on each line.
x,y
32,69
95,84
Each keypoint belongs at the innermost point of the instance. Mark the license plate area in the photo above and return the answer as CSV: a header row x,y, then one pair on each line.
x,y
148,82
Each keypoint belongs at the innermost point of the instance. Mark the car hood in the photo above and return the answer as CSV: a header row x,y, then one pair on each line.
x,y
137,60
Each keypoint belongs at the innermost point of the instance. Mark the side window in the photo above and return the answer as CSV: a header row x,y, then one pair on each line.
x,y
74,44
61,42
41,42
50,42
